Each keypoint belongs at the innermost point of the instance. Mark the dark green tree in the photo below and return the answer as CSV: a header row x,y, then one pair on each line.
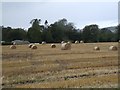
x,y
71,32
9,34
34,32
47,36
58,30
106,35
91,33
46,22
118,32
62,30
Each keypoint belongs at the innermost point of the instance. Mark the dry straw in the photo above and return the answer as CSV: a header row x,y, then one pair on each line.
x,y
96,48
69,42
34,47
53,46
13,47
30,45
76,42
65,46
113,48
81,41
43,43
62,42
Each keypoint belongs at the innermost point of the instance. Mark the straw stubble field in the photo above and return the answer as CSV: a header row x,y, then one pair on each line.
x,y
45,67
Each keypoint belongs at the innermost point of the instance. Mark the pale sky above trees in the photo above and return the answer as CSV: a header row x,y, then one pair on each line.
x,y
19,14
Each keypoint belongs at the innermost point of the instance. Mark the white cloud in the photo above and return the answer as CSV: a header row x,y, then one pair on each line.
x,y
81,14
1,14
101,24
107,23
59,0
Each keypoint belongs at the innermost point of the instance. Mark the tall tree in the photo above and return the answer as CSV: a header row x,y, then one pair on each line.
x,y
9,34
46,22
118,32
34,32
106,35
35,22
63,30
90,33
46,25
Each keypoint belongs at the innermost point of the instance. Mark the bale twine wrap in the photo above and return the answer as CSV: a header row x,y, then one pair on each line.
x,y
34,47
53,46
113,48
65,46
96,48
12,47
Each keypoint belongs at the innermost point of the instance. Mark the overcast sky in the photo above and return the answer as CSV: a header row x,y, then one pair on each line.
x,y
19,14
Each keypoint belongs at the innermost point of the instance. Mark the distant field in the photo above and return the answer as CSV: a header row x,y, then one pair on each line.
x,y
80,67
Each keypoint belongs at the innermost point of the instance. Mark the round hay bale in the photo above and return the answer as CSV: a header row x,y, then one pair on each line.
x,y
14,43
34,47
65,46
69,42
96,48
53,46
62,42
43,43
30,45
81,41
119,41
76,42
13,47
36,43
113,48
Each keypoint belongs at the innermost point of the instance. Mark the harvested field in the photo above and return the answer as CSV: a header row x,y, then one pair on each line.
x,y
46,67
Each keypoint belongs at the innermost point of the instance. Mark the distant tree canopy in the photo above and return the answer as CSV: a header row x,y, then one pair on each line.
x,y
62,30
59,31
34,32
118,32
90,33
106,35
9,34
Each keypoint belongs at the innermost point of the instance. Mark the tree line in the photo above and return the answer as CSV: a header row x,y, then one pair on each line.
x,y
61,30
